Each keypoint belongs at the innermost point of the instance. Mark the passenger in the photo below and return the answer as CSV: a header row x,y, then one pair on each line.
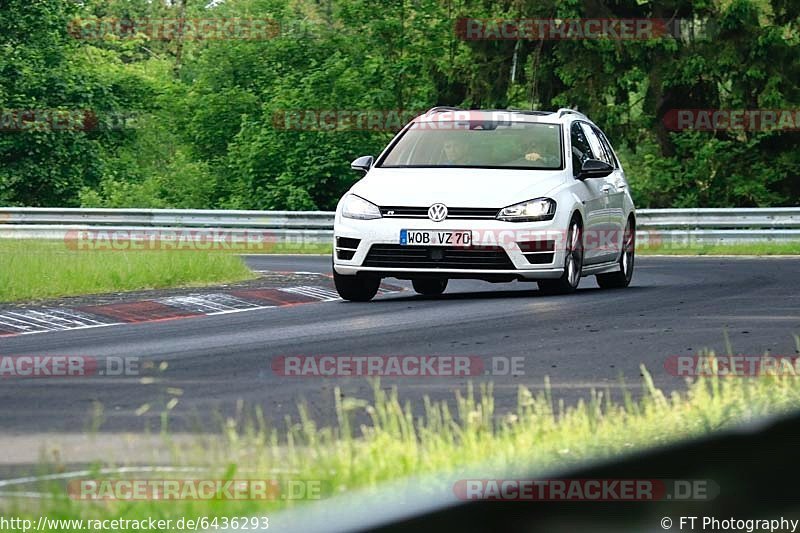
x,y
544,151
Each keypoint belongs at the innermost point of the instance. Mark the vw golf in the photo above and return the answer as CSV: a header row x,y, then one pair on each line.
x,y
490,195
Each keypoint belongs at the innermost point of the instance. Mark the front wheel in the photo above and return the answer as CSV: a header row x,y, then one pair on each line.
x,y
429,287
573,264
356,288
622,278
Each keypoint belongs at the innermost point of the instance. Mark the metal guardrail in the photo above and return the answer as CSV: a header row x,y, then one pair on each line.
x,y
306,227
739,218
664,226
682,227
182,218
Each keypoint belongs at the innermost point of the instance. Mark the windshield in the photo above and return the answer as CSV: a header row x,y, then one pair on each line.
x,y
478,144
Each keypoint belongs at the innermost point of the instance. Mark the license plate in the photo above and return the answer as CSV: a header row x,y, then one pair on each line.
x,y
432,237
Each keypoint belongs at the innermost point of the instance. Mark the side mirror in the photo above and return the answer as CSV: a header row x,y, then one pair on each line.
x,y
363,163
594,168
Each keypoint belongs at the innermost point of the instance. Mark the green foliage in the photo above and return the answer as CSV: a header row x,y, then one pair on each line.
x,y
205,132
705,171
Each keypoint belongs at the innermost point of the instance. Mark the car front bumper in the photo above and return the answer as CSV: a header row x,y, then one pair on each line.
x,y
507,235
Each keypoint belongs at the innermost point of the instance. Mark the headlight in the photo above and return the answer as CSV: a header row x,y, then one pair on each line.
x,y
530,211
356,207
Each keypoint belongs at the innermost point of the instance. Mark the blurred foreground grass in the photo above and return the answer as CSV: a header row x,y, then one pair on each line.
x,y
445,440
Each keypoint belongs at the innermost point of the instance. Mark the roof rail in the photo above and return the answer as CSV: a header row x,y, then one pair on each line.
x,y
442,109
531,112
565,110
512,110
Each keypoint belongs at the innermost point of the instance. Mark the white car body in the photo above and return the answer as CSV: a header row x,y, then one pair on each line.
x,y
604,206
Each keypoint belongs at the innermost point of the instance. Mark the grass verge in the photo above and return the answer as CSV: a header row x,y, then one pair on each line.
x,y
773,248
33,269
541,434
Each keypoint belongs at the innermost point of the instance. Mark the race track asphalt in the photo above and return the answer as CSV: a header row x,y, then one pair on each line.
x,y
675,306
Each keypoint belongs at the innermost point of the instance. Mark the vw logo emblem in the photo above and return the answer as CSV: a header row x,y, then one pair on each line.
x,y
437,212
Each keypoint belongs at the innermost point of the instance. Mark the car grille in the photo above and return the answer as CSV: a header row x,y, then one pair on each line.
x,y
452,212
477,258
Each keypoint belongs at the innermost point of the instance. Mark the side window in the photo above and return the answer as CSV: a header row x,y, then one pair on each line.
x,y
597,147
581,151
607,145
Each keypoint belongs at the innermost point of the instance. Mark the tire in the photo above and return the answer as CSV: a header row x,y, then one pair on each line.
x,y
356,288
622,278
429,287
573,263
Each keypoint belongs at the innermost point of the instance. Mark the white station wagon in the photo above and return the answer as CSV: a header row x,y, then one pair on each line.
x,y
490,195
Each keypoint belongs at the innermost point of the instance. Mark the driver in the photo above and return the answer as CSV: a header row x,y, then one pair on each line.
x,y
453,153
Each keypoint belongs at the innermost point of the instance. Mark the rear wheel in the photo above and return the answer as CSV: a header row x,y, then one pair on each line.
x,y
356,288
622,278
573,264
429,287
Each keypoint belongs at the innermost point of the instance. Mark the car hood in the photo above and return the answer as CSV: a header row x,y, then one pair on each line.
x,y
455,187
